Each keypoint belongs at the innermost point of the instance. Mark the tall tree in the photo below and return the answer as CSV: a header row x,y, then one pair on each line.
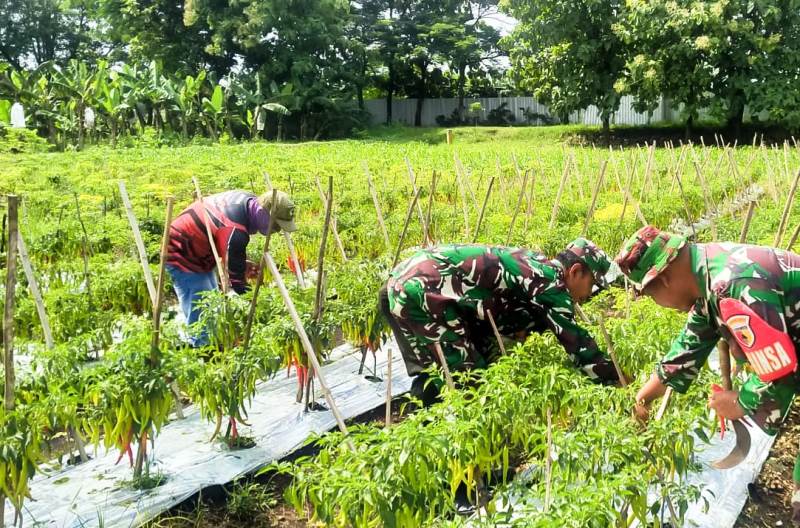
x,y
568,53
33,32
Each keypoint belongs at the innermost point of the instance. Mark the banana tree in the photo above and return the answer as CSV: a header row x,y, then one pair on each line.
x,y
113,102
79,85
186,99
154,91
214,112
255,104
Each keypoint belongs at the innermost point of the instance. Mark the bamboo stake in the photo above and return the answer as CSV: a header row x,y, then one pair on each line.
x,y
155,356
334,228
413,178
464,206
611,352
516,209
786,210
301,332
609,345
596,192
259,277
548,464
427,223
531,199
8,313
793,239
137,237
377,204
746,227
86,250
223,273
648,167
499,168
35,291
564,176
388,420
8,316
462,173
443,362
770,177
319,294
483,210
414,200
496,332
298,271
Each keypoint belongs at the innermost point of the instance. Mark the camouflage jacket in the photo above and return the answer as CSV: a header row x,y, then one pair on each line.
x,y
437,288
768,281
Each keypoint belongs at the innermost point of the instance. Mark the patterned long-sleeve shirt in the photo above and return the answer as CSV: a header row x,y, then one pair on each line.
x,y
233,216
768,282
435,293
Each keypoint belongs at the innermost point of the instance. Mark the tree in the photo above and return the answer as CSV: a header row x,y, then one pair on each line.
x,y
33,32
567,53
716,55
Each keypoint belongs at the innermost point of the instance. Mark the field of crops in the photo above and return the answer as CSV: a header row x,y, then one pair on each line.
x,y
107,376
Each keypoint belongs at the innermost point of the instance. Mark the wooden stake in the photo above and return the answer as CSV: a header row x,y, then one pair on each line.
x,y
786,210
548,464
793,239
377,204
664,403
333,220
8,316
221,271
414,200
86,250
321,255
388,419
137,237
8,312
298,271
609,344
427,223
462,174
301,332
746,227
564,175
496,333
531,199
35,291
413,178
483,210
597,187
443,362
248,329
522,193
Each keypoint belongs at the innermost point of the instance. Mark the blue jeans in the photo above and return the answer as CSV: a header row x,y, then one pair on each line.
x,y
188,287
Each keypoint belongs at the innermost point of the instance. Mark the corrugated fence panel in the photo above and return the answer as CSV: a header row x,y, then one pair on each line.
x,y
404,110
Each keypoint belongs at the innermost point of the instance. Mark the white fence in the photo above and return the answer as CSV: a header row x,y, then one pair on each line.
x,y
403,110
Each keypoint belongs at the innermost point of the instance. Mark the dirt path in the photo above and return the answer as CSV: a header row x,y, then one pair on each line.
x,y
771,493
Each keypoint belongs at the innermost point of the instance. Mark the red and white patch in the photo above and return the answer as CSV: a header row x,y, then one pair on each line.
x,y
770,351
739,326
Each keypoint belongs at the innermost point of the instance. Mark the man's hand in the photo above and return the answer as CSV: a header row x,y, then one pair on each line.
x,y
251,270
726,404
641,411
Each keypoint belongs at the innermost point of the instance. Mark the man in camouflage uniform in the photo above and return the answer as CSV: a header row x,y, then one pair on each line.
x,y
443,294
709,281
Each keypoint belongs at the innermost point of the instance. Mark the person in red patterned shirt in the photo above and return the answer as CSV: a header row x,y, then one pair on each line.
x,y
233,216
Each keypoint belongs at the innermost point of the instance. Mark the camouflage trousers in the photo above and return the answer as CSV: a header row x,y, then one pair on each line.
x,y
466,341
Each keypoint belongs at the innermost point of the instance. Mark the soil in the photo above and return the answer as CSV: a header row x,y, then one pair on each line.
x,y
771,493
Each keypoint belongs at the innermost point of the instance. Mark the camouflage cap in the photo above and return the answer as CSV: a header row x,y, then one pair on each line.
x,y
593,257
647,253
